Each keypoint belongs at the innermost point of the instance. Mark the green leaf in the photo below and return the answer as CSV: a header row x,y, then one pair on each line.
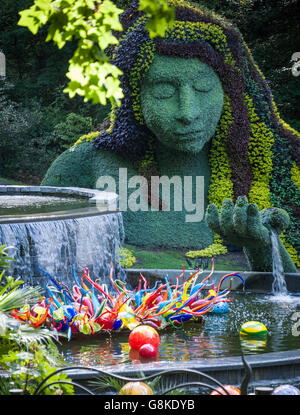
x,y
113,88
106,38
36,16
111,15
76,75
30,21
160,14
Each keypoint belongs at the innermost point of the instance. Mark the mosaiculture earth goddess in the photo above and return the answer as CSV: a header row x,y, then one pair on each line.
x,y
195,105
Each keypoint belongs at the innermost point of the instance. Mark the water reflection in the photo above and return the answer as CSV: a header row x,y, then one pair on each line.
x,y
251,346
218,337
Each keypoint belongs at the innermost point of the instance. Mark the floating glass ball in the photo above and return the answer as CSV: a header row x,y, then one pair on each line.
x,y
220,308
232,390
147,351
143,335
117,324
253,328
286,390
136,388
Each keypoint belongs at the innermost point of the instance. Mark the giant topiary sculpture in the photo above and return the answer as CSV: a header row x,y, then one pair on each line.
x,y
196,104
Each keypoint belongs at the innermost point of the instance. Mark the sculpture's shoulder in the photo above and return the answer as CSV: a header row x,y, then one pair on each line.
x,y
82,165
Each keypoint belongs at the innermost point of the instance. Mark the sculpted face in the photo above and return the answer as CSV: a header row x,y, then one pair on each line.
x,y
182,102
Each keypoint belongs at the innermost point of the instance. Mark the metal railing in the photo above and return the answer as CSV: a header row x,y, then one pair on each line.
x,y
214,384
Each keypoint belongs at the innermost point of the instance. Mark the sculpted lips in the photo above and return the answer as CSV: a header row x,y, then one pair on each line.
x,y
186,135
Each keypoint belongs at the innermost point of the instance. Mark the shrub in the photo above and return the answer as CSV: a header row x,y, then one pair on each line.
x,y
211,251
126,258
72,128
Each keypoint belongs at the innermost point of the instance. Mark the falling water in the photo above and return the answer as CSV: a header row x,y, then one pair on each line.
x,y
57,246
279,284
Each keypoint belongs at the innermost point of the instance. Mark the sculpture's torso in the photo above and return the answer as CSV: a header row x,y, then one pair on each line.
x,y
171,228
83,165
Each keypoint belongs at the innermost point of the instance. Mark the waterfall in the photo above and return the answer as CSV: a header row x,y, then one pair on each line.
x,y
279,285
56,246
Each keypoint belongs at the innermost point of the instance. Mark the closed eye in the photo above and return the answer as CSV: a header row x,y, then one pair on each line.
x,y
163,90
203,85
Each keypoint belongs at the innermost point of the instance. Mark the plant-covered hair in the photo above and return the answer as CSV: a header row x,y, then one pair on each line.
x,y
253,151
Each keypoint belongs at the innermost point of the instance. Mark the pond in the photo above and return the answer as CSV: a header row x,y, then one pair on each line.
x,y
217,337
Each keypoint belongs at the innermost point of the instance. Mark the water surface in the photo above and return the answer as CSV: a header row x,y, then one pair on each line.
x,y
218,337
34,204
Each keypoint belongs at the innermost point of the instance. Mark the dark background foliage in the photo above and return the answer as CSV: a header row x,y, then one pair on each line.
x,y
38,120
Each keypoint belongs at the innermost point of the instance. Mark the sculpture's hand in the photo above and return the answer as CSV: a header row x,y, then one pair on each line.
x,y
239,224
244,225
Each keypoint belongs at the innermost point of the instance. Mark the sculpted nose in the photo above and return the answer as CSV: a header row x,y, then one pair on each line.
x,y
188,108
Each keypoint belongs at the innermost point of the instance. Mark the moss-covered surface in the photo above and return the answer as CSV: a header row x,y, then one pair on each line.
x,y
252,152
181,102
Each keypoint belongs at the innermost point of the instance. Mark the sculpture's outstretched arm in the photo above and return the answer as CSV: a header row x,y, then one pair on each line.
x,y
244,225
83,165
